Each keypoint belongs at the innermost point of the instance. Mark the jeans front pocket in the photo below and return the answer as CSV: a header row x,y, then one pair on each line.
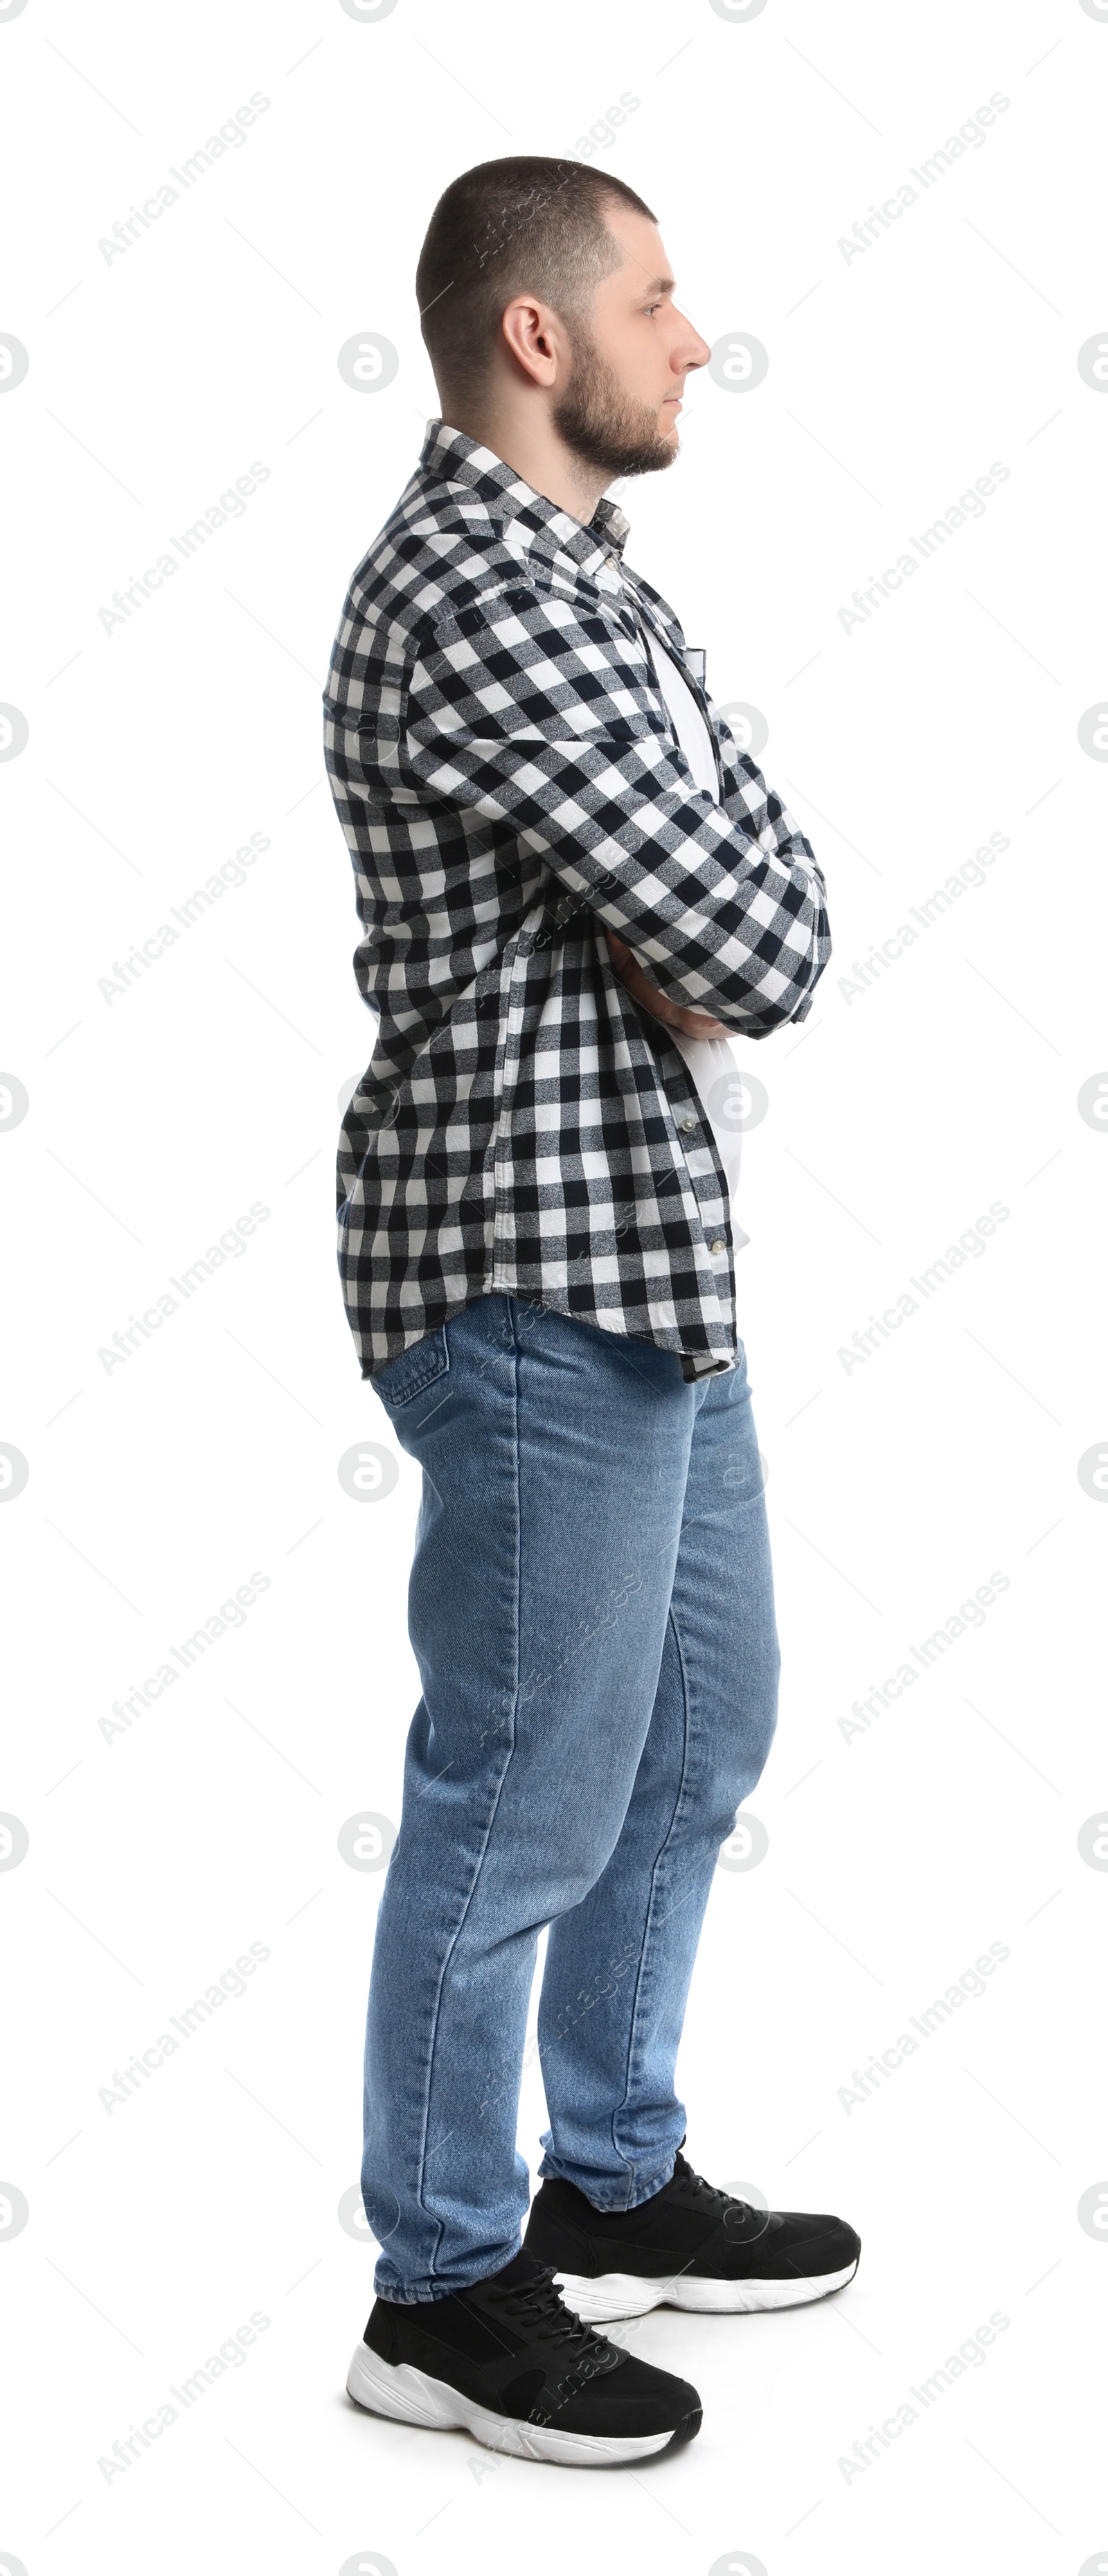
x,y
406,1376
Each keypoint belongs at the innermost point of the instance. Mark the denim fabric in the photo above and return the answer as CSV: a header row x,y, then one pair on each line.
x,y
591,1610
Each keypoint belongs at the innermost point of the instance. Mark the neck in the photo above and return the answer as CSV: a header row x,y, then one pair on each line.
x,y
534,450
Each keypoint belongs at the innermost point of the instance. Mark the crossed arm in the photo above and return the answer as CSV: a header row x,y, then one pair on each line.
x,y
519,713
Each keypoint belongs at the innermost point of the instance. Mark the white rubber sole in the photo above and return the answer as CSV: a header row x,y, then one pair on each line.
x,y
620,2294
410,2396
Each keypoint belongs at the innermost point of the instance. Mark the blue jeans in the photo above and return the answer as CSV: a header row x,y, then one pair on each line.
x,y
591,1610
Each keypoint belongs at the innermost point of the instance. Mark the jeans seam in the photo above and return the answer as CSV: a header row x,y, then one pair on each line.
x,y
663,1847
491,1820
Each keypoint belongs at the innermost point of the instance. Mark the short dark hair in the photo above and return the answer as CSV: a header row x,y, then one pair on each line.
x,y
503,229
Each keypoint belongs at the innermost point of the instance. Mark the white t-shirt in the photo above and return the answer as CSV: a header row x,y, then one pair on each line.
x,y
710,1061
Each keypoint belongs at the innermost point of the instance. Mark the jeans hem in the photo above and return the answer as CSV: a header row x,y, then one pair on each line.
x,y
553,2172
430,2297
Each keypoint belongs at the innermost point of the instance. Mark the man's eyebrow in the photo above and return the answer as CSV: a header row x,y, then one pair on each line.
x,y
660,286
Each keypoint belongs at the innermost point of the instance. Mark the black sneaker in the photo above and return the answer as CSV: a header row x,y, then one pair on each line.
x,y
507,2362
689,2247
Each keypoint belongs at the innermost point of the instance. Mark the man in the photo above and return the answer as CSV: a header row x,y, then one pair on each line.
x,y
569,883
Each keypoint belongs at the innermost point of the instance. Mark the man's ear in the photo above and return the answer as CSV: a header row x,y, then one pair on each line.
x,y
534,339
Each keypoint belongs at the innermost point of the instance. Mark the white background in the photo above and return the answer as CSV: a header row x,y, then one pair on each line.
x,y
895,1118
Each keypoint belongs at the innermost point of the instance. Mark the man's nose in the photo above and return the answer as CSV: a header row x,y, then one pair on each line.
x,y
690,350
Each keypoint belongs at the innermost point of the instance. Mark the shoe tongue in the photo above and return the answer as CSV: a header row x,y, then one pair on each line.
x,y
523,2268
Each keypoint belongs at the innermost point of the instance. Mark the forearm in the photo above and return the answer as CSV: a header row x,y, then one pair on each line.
x,y
726,913
529,730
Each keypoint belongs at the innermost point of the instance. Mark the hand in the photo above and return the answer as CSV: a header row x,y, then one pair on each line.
x,y
692,1024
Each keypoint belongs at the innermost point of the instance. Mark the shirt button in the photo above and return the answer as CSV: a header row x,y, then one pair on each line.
x,y
718,1246
687,1125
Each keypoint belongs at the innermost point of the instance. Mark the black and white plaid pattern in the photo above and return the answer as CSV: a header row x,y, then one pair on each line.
x,y
505,772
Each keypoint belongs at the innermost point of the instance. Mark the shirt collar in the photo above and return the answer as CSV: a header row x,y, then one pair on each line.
x,y
454,458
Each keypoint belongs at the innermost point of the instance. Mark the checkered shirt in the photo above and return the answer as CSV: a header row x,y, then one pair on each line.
x,y
506,774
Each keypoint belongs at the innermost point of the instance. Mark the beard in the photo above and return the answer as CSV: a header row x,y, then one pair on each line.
x,y
602,424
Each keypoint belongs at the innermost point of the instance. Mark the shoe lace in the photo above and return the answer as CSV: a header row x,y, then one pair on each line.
x,y
695,2183
540,2304
750,2221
